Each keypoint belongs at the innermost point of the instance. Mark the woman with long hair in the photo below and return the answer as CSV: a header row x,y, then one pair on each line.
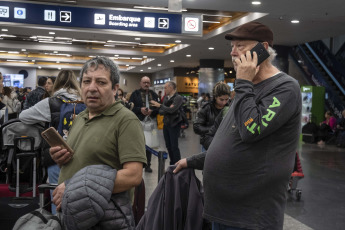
x,y
209,111
8,99
65,87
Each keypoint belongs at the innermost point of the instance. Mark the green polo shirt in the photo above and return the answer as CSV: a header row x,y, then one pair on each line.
x,y
112,138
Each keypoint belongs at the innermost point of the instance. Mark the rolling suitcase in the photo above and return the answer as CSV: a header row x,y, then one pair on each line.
x,y
11,208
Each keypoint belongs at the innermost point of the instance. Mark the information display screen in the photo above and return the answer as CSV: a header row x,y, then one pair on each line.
x,y
14,80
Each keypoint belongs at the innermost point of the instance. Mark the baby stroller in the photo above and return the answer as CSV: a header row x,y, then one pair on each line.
x,y
296,175
18,138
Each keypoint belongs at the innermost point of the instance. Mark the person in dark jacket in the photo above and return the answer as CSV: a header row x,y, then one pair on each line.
x,y
36,95
141,99
206,116
172,104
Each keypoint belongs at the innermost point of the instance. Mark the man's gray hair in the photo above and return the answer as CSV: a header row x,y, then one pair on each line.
x,y
272,53
172,84
109,65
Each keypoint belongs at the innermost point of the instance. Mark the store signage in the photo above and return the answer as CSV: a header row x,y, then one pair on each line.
x,y
83,17
161,81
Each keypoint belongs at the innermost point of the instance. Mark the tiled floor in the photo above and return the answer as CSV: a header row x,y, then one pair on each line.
x,y
322,206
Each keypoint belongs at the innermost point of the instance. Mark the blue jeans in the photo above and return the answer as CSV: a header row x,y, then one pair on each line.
x,y
218,226
171,135
53,176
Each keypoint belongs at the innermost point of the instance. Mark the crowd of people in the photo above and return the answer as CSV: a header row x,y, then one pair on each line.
x,y
14,99
249,138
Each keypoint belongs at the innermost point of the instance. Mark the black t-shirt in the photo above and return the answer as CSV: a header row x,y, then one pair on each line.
x,y
251,157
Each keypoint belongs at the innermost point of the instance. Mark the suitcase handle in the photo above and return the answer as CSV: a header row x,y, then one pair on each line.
x,y
41,190
43,187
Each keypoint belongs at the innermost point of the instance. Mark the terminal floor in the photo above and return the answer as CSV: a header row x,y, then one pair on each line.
x,y
322,205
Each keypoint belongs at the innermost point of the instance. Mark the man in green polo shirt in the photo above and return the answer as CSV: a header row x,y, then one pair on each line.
x,y
105,133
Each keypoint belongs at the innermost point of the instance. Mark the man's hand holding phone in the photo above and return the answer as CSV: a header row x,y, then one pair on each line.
x,y
59,155
248,63
60,151
246,66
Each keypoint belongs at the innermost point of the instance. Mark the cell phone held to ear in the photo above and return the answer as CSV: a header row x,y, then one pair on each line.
x,y
261,52
54,139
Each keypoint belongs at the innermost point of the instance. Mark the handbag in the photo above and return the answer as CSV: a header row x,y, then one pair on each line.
x,y
150,132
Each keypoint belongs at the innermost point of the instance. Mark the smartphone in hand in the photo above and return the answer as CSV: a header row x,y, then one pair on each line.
x,y
261,52
53,138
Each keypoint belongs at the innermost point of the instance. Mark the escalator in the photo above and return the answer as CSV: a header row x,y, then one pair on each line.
x,y
317,73
340,55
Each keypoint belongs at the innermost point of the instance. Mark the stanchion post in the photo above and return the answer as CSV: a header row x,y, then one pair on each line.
x,y
161,165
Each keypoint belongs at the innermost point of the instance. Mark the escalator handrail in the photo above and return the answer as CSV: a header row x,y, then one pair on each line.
x,y
325,68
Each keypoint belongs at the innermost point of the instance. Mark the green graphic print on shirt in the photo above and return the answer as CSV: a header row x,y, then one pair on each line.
x,y
265,119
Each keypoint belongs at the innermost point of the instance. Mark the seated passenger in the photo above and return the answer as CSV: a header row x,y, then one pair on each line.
x,y
327,128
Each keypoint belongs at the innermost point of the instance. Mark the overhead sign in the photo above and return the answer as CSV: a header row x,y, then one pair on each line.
x,y
192,24
83,17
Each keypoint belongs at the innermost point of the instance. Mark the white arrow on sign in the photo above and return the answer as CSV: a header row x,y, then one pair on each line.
x,y
163,23
65,16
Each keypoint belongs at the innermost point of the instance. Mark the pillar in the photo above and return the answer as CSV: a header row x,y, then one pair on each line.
x,y
211,71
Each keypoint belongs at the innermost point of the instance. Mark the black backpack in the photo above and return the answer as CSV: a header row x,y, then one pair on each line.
x,y
309,132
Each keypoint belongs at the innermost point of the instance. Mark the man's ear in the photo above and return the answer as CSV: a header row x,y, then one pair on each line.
x,y
116,87
265,45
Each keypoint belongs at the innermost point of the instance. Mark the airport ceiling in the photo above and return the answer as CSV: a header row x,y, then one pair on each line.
x,y
30,45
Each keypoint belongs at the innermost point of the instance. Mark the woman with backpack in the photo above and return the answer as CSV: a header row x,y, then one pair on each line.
x,y
66,87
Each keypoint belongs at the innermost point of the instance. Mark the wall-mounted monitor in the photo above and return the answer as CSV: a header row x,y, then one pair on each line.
x,y
14,80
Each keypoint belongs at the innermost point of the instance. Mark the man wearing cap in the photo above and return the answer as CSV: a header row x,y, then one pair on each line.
x,y
250,160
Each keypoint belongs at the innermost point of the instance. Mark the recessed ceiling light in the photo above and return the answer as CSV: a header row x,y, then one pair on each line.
x,y
59,68
57,62
154,8
172,61
141,70
178,41
294,21
149,67
33,60
116,55
4,30
7,36
137,39
256,3
23,50
40,67
188,55
127,65
52,33
210,48
55,52
215,22
13,52
144,56
159,64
